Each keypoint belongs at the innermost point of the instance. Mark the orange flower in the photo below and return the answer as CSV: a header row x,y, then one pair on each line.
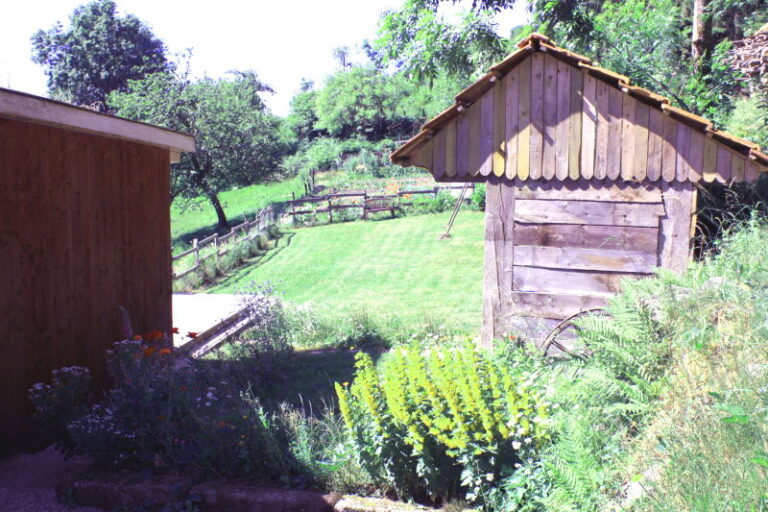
x,y
222,424
155,335
175,330
164,351
161,418
183,388
138,337
192,334
149,351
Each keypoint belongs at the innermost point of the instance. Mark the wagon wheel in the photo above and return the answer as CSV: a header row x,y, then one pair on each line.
x,y
551,342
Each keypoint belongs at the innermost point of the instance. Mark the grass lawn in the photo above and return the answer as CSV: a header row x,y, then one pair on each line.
x,y
387,268
198,220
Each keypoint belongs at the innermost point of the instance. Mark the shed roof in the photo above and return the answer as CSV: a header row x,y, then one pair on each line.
x,y
35,109
417,150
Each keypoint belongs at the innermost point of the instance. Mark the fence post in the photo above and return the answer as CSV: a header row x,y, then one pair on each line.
x,y
216,248
437,189
197,253
330,211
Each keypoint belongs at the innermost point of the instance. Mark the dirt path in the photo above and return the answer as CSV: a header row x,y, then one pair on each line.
x,y
27,482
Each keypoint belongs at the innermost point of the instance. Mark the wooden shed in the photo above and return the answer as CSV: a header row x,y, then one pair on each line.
x,y
590,180
84,228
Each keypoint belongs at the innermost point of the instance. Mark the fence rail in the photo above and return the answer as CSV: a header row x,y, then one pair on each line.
x,y
217,245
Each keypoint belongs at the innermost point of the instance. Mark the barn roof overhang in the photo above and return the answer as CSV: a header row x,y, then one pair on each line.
x,y
540,43
35,109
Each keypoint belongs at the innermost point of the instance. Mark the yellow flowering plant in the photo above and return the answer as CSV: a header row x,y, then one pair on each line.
x,y
444,423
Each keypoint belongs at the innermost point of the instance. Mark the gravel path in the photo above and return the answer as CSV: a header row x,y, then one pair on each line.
x,y
27,482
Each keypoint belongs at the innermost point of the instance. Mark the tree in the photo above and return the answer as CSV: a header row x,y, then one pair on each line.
x,y
99,53
238,140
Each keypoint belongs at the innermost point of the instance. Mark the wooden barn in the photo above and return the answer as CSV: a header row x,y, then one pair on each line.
x,y
84,228
590,180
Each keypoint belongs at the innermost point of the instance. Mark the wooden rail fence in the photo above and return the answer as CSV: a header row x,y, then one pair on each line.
x,y
222,244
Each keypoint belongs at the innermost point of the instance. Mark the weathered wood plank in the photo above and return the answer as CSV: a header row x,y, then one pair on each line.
x,y
438,155
563,115
499,257
613,163
450,149
550,280
524,120
589,190
549,163
655,138
462,145
511,120
710,160
486,134
549,305
668,151
574,124
750,171
588,212
499,111
475,156
537,114
683,152
572,258
423,157
588,127
603,125
737,167
629,111
640,155
674,235
628,238
723,165
696,156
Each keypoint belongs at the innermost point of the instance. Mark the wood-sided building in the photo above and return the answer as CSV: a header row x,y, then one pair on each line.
x,y
84,228
590,180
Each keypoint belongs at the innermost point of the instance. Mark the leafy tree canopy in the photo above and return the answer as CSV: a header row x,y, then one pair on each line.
x,y
98,53
238,140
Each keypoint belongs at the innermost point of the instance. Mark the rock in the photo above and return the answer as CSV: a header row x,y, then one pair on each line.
x,y
146,494
224,497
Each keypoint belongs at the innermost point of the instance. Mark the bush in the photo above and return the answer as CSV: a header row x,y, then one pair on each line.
x,y
478,197
447,423
428,204
57,404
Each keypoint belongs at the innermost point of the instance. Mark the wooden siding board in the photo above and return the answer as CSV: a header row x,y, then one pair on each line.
x,y
589,190
524,120
450,149
587,212
563,116
696,156
629,110
511,120
549,305
640,154
581,282
683,152
475,134
574,124
668,151
675,227
499,122
572,258
655,141
627,238
710,160
603,125
737,167
589,127
723,165
486,133
750,171
462,145
438,155
537,115
549,163
613,158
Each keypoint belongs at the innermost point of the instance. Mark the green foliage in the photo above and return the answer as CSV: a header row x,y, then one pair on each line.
x,y
237,140
446,423
748,120
444,201
57,404
478,197
97,54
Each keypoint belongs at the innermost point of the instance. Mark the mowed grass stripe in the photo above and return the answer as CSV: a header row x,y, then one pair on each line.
x,y
394,267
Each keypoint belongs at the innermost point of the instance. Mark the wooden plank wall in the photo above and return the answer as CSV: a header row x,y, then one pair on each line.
x,y
84,227
548,119
556,248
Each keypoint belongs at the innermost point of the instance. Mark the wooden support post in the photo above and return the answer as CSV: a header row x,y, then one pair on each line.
x,y
330,211
196,247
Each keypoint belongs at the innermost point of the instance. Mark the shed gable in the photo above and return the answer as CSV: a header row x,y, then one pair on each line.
x,y
546,113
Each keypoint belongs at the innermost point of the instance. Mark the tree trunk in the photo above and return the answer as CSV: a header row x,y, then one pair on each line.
x,y
700,34
222,217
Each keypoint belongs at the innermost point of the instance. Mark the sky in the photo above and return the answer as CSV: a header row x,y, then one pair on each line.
x,y
283,41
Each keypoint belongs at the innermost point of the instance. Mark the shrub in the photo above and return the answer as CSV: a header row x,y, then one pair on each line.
x,y
60,402
442,202
447,423
478,197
